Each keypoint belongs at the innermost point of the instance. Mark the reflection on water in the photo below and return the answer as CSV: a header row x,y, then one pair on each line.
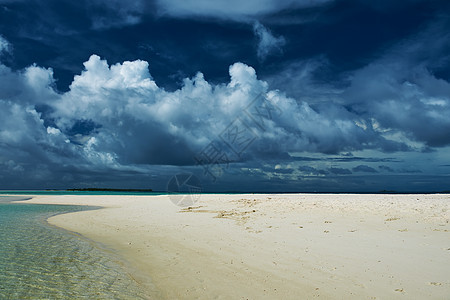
x,y
38,261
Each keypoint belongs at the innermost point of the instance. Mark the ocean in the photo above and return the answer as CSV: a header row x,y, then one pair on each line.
x,y
63,192
39,261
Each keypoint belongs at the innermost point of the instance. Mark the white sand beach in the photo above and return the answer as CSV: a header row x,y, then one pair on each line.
x,y
285,246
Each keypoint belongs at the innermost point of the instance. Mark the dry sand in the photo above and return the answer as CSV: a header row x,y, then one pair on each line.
x,y
297,246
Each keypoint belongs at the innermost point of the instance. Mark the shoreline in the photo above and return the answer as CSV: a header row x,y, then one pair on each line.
x,y
265,246
41,260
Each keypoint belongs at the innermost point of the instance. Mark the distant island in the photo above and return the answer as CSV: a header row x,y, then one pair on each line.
x,y
388,192
109,190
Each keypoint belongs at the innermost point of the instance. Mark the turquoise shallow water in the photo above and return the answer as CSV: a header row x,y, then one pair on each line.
x,y
38,261
50,192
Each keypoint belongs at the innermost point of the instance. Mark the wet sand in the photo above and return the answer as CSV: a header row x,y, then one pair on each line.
x,y
275,246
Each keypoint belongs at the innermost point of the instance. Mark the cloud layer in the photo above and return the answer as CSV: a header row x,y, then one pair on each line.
x,y
117,115
234,9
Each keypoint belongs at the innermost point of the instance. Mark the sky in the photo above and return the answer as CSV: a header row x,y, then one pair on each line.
x,y
254,96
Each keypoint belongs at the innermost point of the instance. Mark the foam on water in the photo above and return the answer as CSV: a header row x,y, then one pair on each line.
x,y
38,261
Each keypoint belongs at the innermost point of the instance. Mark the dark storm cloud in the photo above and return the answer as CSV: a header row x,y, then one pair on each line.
x,y
312,171
345,159
114,116
386,168
340,171
364,168
410,171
